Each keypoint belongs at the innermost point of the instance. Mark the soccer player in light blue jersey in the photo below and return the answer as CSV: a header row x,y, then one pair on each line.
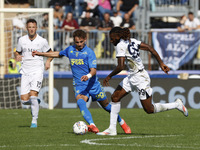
x,y
83,65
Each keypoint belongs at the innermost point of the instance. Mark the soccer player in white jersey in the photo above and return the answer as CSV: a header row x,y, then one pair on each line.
x,y
32,68
127,52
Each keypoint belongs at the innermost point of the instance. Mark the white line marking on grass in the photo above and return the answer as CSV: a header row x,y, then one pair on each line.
x,y
93,142
51,145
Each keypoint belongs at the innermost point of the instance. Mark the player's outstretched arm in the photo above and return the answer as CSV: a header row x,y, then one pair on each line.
x,y
149,48
118,69
47,54
47,64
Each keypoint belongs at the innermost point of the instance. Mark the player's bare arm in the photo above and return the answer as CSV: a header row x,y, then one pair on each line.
x,y
89,75
47,54
118,69
149,48
18,56
47,64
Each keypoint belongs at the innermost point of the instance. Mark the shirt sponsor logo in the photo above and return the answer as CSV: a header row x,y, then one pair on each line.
x,y
77,62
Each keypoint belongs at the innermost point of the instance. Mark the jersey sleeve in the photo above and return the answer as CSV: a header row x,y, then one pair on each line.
x,y
46,46
19,46
64,52
92,61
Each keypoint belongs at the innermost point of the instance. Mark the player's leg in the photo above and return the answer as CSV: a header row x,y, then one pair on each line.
x,y
81,102
107,106
160,107
145,93
35,86
25,90
34,108
118,94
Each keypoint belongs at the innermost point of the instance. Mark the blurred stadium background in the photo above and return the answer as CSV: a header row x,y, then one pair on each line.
x,y
155,24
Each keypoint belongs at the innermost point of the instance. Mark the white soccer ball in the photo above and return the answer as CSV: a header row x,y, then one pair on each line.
x,y
80,127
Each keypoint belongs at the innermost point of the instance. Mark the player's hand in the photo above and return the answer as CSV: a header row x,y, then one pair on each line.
x,y
47,65
35,53
84,78
18,57
165,68
105,81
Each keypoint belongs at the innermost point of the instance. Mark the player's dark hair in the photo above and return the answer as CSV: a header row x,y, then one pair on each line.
x,y
79,33
123,33
190,13
31,20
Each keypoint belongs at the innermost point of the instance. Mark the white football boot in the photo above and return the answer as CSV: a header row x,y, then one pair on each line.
x,y
181,107
108,132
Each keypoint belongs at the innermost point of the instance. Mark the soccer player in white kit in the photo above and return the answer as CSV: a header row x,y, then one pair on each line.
x,y
127,53
32,68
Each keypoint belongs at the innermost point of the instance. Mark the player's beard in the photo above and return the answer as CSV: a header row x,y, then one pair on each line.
x,y
31,36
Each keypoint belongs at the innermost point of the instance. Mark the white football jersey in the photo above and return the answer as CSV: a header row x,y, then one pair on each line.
x,y
130,50
25,47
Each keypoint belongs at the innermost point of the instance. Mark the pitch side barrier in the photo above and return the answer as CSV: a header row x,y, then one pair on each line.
x,y
166,88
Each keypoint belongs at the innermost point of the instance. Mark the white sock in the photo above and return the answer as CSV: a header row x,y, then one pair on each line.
x,y
159,107
121,122
115,109
34,109
92,124
26,102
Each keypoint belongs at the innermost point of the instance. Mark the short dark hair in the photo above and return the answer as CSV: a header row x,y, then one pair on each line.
x,y
31,20
190,13
79,33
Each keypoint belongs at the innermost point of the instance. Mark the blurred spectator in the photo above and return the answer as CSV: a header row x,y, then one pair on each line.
x,y
180,25
127,22
69,6
92,6
19,22
87,23
127,6
107,23
116,19
13,66
192,23
58,15
52,3
104,7
103,47
69,23
45,21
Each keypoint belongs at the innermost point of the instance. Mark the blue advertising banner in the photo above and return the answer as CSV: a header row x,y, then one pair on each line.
x,y
175,48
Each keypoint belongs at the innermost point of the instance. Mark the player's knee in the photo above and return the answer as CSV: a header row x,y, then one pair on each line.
x,y
114,98
25,97
149,110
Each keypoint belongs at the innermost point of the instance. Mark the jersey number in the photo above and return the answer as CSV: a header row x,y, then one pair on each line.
x,y
133,50
39,84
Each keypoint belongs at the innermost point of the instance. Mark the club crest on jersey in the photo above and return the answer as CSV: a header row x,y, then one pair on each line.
x,y
77,54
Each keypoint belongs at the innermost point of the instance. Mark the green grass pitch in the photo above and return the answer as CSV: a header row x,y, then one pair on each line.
x,y
162,131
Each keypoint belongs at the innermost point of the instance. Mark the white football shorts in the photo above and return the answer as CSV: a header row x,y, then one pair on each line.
x,y
32,81
139,81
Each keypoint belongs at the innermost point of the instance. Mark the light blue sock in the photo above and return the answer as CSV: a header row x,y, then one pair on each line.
x,y
84,111
108,109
